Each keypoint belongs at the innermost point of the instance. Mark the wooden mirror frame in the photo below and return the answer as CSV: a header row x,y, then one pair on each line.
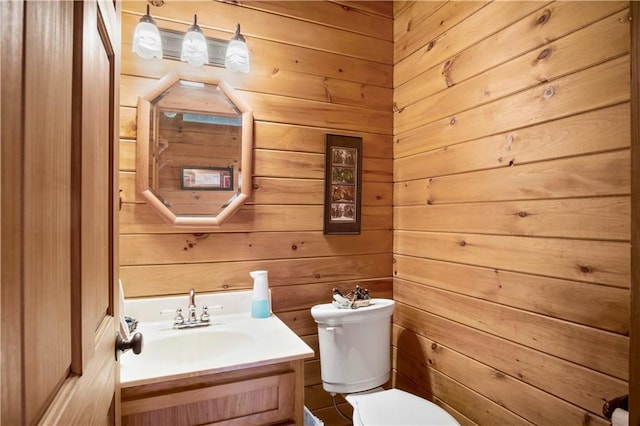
x,y
142,153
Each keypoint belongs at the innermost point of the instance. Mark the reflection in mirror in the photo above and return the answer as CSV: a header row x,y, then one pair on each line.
x,y
194,155
194,142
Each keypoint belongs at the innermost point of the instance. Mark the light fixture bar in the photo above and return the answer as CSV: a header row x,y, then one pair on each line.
x,y
172,47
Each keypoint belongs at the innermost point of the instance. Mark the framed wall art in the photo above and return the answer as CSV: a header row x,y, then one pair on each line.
x,y
343,184
207,178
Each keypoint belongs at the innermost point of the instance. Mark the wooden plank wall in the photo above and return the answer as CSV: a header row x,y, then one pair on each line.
x,y
512,208
316,68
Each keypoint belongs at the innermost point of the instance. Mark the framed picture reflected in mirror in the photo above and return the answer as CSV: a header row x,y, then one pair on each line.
x,y
207,178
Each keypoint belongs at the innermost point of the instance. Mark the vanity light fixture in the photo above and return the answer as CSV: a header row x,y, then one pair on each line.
x,y
194,46
237,57
146,38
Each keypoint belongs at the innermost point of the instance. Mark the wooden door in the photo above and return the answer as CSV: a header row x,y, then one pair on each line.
x,y
59,212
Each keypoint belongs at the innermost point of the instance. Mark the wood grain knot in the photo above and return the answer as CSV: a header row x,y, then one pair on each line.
x,y
294,247
378,197
462,243
585,269
446,72
544,54
430,45
549,92
452,121
522,214
544,18
497,374
256,186
434,346
318,276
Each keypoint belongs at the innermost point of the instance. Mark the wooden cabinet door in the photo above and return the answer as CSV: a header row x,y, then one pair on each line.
x,y
59,212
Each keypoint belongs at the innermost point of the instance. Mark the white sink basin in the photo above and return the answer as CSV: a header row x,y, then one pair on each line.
x,y
184,347
232,341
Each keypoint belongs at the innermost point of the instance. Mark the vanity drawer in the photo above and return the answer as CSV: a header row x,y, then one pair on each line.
x,y
258,400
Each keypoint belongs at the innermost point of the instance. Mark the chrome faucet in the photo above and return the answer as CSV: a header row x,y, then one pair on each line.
x,y
192,306
192,319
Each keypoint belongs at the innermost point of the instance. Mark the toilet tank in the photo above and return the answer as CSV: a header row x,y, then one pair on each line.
x,y
355,345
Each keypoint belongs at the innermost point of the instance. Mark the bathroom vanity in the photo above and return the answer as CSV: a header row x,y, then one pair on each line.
x,y
236,371
269,394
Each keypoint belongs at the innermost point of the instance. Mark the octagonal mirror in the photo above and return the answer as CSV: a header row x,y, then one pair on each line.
x,y
194,150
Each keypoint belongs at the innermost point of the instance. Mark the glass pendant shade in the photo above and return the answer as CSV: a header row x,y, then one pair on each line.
x,y
146,38
237,58
194,46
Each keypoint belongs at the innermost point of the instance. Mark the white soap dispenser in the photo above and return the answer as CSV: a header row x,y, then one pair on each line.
x,y
260,305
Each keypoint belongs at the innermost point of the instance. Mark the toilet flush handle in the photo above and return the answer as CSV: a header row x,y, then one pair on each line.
x,y
332,328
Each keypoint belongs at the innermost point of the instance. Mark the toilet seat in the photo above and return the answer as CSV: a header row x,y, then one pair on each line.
x,y
396,407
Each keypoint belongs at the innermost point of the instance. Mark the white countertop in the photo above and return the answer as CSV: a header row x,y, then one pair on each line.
x,y
233,341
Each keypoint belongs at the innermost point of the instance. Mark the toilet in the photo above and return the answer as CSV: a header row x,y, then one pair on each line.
x,y
355,361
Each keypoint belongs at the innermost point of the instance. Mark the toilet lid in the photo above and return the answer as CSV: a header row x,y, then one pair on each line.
x,y
396,407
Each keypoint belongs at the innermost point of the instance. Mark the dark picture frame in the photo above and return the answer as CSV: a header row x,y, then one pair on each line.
x,y
206,178
343,184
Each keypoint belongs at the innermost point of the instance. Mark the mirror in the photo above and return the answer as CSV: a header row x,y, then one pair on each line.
x,y
194,150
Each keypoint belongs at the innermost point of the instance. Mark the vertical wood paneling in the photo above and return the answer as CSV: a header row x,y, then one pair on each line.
x,y
483,285
317,67
634,362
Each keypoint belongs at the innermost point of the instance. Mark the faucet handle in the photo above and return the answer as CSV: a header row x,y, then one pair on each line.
x,y
205,317
179,319
205,314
